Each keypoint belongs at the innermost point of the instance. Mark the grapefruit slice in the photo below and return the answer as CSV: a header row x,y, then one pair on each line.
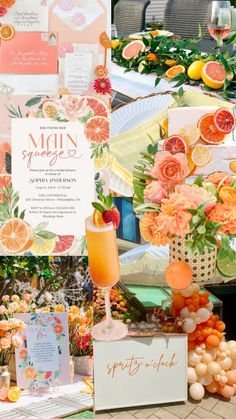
x,y
213,74
190,133
228,194
201,155
98,106
63,244
16,236
175,144
174,71
224,120
133,49
97,129
208,131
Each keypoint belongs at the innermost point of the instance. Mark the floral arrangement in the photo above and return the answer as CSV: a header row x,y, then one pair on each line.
x,y
203,212
9,338
180,61
80,324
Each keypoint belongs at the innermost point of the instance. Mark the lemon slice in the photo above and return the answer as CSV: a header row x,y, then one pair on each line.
x,y
14,394
102,162
201,155
42,247
190,134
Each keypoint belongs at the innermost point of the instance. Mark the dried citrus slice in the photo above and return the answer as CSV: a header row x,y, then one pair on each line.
x,y
14,394
42,247
97,218
16,236
224,120
175,144
190,134
213,74
174,71
97,129
201,155
208,131
7,32
228,194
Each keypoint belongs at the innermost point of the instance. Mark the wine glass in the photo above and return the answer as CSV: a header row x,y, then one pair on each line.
x,y
104,269
220,21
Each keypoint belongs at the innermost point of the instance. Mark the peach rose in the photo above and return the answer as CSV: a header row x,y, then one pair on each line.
x,y
13,307
170,169
23,354
48,297
74,107
155,192
5,343
222,178
58,328
30,373
17,341
28,297
23,307
5,298
197,196
2,309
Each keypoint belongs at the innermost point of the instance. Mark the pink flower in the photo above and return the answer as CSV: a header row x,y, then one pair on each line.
x,y
5,298
58,328
197,196
174,218
79,19
155,192
13,307
15,298
5,344
102,86
2,309
23,354
74,107
48,297
3,11
28,297
65,5
17,341
23,307
170,169
64,48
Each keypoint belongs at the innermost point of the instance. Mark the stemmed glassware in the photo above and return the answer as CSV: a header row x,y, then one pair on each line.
x,y
104,269
220,21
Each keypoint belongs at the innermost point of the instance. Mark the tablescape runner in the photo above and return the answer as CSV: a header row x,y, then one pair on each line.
x,y
125,148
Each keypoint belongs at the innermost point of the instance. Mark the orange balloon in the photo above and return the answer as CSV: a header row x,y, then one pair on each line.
x,y
178,275
213,387
212,341
191,346
227,391
220,326
178,301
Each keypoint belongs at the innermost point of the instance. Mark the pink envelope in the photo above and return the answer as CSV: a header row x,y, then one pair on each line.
x,y
29,53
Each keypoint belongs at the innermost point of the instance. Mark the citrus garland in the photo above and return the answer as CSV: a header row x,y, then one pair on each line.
x,y
180,61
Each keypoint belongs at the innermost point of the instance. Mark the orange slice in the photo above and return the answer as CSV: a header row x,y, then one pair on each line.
x,y
190,134
97,218
14,394
154,33
232,166
16,236
201,155
152,57
7,32
174,71
165,125
208,131
228,194
97,129
170,62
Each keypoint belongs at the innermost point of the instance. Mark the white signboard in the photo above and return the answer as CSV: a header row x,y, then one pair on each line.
x,y
140,371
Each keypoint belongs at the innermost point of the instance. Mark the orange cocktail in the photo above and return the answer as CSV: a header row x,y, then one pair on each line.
x,y
103,254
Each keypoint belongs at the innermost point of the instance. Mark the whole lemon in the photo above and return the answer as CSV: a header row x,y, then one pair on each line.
x,y
195,69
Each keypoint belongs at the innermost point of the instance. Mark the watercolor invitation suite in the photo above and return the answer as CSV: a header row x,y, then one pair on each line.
x,y
47,169
39,56
44,360
28,16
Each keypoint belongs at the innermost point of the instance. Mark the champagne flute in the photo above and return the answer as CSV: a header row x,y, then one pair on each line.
x,y
220,21
104,269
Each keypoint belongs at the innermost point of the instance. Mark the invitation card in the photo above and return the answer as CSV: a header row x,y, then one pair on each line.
x,y
39,56
28,16
78,71
44,360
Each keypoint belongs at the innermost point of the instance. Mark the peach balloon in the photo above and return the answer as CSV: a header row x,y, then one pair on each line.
x,y
233,352
187,292
201,369
193,358
184,313
231,343
213,387
196,391
206,358
227,391
205,380
223,346
196,287
213,368
231,377
222,381
225,363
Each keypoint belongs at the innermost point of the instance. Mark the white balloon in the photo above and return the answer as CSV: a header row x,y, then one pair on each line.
x,y
213,368
193,358
198,350
228,352
206,358
184,313
205,380
191,375
203,345
213,352
231,343
223,346
204,314
233,352
226,363
196,391
209,306
193,315
196,287
222,355
189,325
187,292
198,320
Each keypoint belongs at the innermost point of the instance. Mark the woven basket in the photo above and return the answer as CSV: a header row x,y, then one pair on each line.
x,y
203,266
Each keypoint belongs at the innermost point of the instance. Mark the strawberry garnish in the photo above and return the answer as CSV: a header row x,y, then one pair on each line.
x,y
105,206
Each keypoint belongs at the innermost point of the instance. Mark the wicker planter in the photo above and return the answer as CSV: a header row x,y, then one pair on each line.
x,y
203,266
84,365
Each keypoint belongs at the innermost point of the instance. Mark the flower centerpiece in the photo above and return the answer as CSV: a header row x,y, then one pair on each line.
x,y
197,220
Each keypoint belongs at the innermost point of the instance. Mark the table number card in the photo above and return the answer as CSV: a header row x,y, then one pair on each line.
x,y
28,16
45,359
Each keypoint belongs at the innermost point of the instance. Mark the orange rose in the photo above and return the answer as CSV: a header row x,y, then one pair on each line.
x,y
222,178
59,308
58,328
225,214
5,343
170,169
